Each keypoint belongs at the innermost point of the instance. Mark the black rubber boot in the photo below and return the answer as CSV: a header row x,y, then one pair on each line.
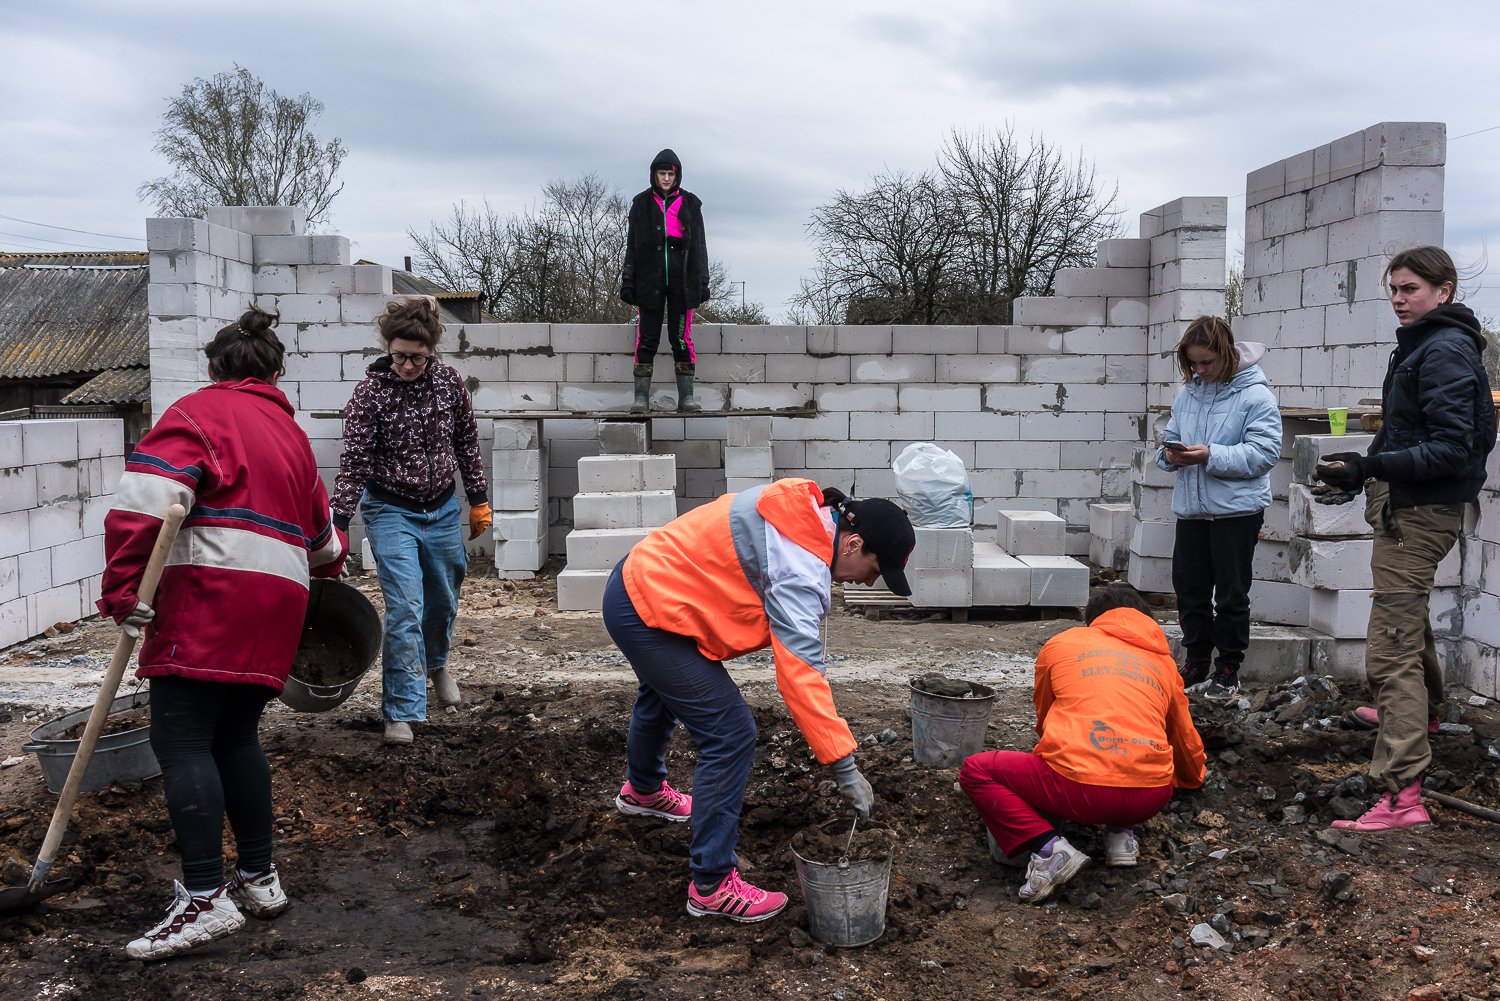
x,y
685,401
642,401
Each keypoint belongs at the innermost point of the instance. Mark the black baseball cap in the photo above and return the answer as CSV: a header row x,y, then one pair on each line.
x,y
887,532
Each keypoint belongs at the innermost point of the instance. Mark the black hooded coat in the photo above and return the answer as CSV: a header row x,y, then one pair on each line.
x,y
650,264
1439,419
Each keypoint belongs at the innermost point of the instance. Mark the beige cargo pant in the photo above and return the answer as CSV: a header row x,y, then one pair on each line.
x,y
1401,662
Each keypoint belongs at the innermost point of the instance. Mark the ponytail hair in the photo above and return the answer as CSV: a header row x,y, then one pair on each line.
x,y
415,319
247,349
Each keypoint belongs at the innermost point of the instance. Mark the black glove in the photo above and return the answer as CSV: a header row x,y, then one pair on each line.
x,y
627,294
1322,493
1345,471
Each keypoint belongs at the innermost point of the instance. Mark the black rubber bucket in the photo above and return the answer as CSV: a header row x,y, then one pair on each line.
x,y
340,640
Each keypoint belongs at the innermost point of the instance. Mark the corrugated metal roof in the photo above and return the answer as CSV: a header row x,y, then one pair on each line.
x,y
88,259
57,319
117,386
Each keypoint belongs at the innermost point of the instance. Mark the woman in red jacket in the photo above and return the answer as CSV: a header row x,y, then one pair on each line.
x,y
220,641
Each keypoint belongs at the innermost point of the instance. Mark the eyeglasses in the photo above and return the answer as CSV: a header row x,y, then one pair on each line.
x,y
420,361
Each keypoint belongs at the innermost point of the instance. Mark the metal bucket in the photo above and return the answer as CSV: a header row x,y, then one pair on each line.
x,y
946,729
338,615
118,757
845,900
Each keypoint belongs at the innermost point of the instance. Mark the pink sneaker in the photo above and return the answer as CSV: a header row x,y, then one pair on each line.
x,y
736,900
1393,812
666,803
1368,717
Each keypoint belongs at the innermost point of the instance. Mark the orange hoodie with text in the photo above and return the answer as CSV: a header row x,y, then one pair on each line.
x,y
1110,708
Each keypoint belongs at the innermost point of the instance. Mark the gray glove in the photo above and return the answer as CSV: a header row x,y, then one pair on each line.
x,y
137,620
853,786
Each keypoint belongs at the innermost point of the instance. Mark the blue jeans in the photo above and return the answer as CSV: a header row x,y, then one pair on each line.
x,y
679,684
421,562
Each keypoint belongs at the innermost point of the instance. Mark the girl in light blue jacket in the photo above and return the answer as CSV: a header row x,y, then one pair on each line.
x,y
1222,439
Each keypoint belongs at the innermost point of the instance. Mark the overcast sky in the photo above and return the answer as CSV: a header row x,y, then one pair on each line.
x,y
772,105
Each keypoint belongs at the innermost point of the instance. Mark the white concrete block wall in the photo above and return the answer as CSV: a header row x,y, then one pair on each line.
x,y
53,491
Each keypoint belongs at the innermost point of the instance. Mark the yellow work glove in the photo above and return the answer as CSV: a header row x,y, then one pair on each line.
x,y
480,517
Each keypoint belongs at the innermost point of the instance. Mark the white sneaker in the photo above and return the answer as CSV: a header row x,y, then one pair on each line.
x,y
397,732
259,897
446,688
1043,875
1121,848
190,922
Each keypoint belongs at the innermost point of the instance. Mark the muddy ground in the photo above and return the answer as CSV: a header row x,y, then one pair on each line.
x,y
487,860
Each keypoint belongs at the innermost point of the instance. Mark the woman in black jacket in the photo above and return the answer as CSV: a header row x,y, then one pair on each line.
x,y
665,276
1426,462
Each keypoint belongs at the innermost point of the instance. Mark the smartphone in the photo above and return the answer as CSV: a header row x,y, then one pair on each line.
x,y
1174,446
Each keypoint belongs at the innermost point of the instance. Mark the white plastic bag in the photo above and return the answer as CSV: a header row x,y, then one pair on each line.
x,y
934,486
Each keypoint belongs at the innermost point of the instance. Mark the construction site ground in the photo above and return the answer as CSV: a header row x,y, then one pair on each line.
x,y
487,859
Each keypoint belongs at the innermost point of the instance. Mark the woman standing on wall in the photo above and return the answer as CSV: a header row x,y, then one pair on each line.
x,y
1427,461
220,641
1222,439
408,429
665,276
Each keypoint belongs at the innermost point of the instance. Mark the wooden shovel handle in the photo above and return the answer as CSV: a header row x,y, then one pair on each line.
x,y
107,691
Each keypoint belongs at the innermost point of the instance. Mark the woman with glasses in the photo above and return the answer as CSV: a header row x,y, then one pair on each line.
x,y
408,429
1222,439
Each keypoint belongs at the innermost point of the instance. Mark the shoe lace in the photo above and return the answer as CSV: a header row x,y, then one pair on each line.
x,y
667,796
739,888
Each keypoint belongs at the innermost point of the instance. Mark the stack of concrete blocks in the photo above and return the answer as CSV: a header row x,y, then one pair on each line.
x,y
1330,556
747,453
1471,642
57,480
940,569
1319,228
519,497
1111,529
622,495
1036,540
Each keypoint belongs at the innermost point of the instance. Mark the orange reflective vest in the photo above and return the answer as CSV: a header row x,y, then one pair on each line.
x,y
1110,709
744,572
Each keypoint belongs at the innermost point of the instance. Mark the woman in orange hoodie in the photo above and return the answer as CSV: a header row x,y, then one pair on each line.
x,y
1116,738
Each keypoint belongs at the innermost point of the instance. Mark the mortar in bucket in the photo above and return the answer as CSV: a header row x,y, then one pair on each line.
x,y
846,898
120,756
948,719
340,640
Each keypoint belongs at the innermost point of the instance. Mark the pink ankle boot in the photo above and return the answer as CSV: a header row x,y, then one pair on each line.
x,y
1393,811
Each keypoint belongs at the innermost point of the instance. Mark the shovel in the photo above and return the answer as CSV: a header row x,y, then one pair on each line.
x,y
16,897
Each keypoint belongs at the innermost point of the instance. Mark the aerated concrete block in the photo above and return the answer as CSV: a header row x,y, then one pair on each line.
x,y
999,578
1342,614
943,549
932,587
601,548
1030,533
1279,602
1057,581
622,473
1326,521
581,590
526,492
1275,654
753,431
624,437
748,462
520,526
1307,450
520,556
1330,564
637,509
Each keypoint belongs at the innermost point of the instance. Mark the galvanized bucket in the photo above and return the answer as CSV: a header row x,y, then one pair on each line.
x,y
846,900
118,757
337,615
946,729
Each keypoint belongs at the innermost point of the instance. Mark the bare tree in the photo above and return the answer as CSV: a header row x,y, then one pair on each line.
x,y
1234,290
885,255
1025,212
231,140
996,220
557,263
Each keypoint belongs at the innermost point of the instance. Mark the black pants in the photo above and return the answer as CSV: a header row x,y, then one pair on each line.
x,y
1211,575
204,736
679,331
